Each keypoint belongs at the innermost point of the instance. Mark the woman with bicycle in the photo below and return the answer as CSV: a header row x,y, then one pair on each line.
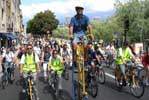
x,y
45,55
55,65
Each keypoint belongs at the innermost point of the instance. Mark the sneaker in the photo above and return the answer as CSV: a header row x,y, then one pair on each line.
x,y
50,84
147,83
37,98
121,82
134,85
23,90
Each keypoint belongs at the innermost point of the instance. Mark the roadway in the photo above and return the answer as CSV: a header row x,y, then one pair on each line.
x,y
107,91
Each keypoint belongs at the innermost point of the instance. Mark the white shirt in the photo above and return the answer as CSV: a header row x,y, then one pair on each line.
x,y
9,57
110,49
22,61
37,50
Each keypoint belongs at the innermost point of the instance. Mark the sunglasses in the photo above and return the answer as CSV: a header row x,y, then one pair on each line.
x,y
55,53
29,48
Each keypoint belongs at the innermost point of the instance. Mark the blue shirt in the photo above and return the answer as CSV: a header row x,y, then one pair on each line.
x,y
79,24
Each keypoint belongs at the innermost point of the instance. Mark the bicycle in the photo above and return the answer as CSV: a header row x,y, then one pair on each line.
x,y
80,85
30,89
91,83
53,82
110,60
100,73
131,79
65,73
8,74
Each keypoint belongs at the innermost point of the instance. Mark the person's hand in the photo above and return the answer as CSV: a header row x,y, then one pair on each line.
x,y
71,37
91,36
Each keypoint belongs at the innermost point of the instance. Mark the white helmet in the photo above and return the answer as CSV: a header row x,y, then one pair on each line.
x,y
100,41
80,5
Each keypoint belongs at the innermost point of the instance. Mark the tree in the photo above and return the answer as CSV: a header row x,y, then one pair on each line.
x,y
42,23
137,11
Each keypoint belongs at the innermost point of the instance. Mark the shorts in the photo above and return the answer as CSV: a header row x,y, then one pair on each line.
x,y
122,68
76,38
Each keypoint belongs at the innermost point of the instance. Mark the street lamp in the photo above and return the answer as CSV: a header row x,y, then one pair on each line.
x,y
126,26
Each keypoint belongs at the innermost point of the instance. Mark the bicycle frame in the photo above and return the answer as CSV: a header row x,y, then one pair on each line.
x,y
81,74
30,85
30,88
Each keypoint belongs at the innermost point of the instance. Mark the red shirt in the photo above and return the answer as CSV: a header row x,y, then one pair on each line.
x,y
145,60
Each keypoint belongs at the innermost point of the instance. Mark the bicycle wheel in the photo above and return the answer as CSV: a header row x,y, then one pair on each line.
x,y
11,77
78,90
4,81
4,84
93,88
100,75
66,73
137,90
117,83
141,74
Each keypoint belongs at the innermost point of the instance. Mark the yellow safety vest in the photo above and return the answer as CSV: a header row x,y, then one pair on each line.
x,y
55,64
125,55
29,63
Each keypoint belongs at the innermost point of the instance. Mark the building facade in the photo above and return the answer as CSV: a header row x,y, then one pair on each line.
x,y
10,16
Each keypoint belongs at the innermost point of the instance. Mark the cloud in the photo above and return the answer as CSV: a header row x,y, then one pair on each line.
x,y
66,7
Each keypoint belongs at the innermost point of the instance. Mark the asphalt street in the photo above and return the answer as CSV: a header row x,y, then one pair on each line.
x,y
107,91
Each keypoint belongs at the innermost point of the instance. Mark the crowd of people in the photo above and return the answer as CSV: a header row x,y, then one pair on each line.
x,y
51,54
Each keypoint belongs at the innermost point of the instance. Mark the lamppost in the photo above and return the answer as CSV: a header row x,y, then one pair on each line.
x,y
126,27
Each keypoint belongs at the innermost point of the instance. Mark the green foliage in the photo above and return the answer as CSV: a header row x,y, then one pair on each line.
x,y
137,11
42,22
61,32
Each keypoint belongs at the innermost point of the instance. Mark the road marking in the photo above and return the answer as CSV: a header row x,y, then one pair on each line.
x,y
112,76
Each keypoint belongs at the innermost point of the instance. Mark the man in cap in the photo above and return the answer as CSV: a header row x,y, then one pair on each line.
x,y
79,24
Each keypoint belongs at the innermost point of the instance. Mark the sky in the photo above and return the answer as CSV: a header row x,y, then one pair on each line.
x,y
66,8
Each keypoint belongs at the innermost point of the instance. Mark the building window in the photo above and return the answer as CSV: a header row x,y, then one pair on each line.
x,y
2,13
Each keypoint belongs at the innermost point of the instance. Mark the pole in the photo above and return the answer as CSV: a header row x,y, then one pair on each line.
x,y
73,93
125,35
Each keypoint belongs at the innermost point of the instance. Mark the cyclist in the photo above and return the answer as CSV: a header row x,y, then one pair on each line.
x,y
93,58
56,63
79,24
65,54
45,55
145,62
110,49
29,62
100,50
124,56
8,59
37,48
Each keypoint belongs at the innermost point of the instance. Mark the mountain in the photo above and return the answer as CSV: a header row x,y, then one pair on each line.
x,y
91,15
